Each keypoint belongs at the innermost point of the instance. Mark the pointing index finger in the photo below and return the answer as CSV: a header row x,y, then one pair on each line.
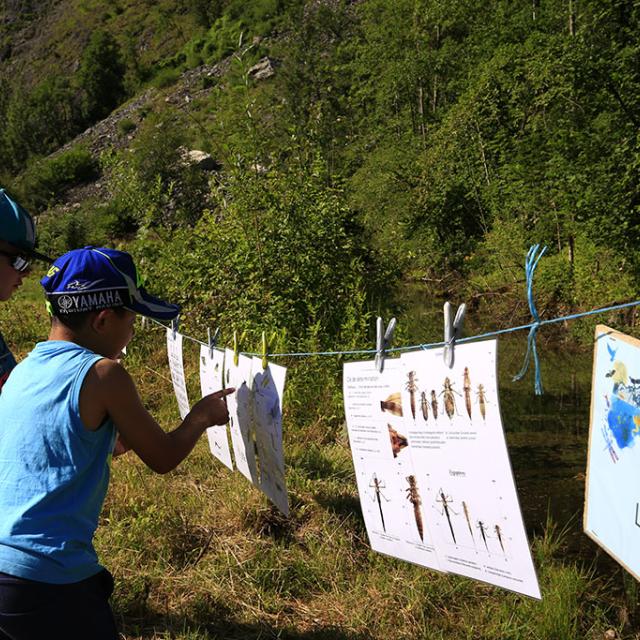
x,y
223,393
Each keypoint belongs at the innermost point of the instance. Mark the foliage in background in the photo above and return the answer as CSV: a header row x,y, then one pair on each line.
x,y
101,75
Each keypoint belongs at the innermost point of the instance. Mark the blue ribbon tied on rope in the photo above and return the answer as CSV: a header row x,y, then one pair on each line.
x,y
533,257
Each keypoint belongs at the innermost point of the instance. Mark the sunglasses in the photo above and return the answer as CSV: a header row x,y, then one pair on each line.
x,y
18,262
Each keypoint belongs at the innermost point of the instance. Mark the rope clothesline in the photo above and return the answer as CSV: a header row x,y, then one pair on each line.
x,y
531,262
430,345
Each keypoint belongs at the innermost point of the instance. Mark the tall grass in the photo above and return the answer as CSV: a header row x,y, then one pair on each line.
x,y
199,554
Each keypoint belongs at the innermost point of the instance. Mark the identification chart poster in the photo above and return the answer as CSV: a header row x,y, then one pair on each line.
x,y
612,497
174,350
454,435
390,492
211,380
241,413
268,389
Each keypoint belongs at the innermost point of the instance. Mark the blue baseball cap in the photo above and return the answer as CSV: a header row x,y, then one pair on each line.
x,y
91,279
17,228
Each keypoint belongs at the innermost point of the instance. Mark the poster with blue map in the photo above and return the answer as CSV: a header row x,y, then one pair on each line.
x,y
612,494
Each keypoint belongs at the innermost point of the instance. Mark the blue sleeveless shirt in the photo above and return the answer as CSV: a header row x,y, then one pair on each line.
x,y
54,473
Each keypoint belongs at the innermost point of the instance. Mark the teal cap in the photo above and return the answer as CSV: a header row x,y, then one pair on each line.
x,y
17,227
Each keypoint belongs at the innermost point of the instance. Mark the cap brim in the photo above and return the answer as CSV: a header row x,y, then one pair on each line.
x,y
152,307
38,256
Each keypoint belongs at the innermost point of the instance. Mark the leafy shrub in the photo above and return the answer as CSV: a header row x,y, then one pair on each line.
x,y
281,251
166,77
153,185
126,126
37,121
46,180
101,75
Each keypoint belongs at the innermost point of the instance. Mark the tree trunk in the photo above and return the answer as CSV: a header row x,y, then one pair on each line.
x,y
572,18
423,130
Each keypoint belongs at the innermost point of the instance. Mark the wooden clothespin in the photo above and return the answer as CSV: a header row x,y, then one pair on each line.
x,y
265,364
383,341
236,354
452,330
212,340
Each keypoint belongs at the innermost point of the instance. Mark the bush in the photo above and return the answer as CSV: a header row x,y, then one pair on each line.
x,y
166,77
101,75
46,180
37,121
282,252
126,126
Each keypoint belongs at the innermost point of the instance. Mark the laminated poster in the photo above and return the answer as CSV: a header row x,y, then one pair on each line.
x,y
241,414
268,389
174,350
456,441
211,380
612,508
442,428
390,496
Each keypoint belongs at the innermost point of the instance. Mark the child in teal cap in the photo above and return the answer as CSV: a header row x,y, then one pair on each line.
x,y
61,411
17,248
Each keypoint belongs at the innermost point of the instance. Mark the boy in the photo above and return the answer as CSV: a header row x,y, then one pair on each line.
x,y
59,413
17,242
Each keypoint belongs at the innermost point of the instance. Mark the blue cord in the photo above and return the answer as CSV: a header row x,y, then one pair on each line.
x,y
431,345
533,257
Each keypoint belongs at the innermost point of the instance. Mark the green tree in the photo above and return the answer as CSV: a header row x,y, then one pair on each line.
x,y
101,75
38,121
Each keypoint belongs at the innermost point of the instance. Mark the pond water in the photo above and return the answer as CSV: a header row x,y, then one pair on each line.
x,y
546,435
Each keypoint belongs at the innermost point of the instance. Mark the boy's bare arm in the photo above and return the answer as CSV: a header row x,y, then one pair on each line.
x,y
161,451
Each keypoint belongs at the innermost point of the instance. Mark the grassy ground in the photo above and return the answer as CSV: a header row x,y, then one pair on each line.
x,y
200,554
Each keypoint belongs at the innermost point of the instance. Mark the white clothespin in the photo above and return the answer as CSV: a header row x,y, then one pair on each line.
x,y
452,330
212,340
383,341
143,321
175,323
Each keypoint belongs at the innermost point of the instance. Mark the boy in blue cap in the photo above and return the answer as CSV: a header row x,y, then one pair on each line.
x,y
60,411
17,248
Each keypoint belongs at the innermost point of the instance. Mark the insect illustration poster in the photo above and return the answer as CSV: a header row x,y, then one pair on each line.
x,y
211,379
612,509
390,494
267,392
454,429
174,351
241,413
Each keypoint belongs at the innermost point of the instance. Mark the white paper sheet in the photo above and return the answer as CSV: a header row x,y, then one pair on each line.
x,y
432,467
393,513
211,380
174,351
612,502
240,406
268,389
461,461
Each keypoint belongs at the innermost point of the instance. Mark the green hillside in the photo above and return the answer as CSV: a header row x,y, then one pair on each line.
x,y
355,149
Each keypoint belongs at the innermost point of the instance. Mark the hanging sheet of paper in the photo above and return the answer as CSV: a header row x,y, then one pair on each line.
x,y
455,438
240,405
174,350
268,389
211,380
612,499
391,495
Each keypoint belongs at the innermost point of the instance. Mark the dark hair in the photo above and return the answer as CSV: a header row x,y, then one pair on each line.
x,y
77,321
